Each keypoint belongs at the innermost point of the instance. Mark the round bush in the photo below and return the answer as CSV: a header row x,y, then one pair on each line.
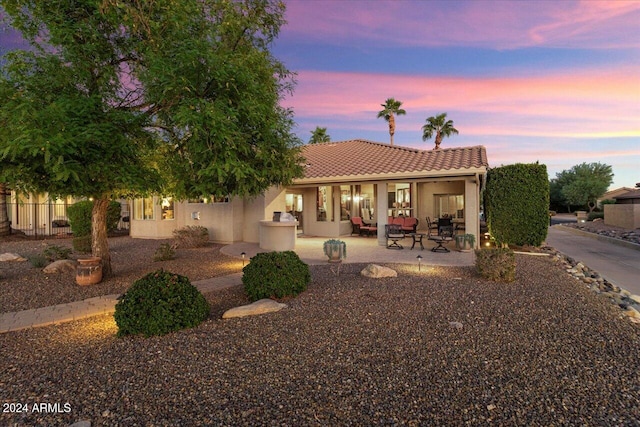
x,y
275,275
159,303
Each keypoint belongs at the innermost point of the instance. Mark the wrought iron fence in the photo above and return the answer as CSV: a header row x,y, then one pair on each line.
x,y
49,219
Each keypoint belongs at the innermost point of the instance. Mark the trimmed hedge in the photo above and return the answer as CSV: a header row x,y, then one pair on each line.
x,y
275,275
517,204
159,303
498,264
80,217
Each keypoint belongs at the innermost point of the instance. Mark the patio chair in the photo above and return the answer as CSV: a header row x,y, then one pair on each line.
x,y
394,233
431,225
443,236
359,227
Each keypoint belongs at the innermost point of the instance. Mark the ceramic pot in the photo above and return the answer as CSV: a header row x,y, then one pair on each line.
x,y
89,271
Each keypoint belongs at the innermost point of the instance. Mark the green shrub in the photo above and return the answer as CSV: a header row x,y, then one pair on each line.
x,y
275,275
191,236
517,204
594,215
55,252
80,217
164,253
38,261
82,244
497,264
159,303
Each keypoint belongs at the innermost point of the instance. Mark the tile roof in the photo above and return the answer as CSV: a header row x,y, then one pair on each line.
x,y
632,194
359,158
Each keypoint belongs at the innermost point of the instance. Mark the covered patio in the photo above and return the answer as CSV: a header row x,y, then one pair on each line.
x,y
362,250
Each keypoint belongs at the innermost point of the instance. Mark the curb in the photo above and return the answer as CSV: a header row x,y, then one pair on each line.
x,y
596,236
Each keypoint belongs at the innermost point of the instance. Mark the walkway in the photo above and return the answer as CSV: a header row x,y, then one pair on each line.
x,y
616,261
359,250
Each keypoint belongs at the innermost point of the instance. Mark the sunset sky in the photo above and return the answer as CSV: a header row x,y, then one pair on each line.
x,y
551,81
548,81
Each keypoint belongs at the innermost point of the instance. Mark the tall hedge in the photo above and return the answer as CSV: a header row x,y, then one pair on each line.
x,y
80,217
517,204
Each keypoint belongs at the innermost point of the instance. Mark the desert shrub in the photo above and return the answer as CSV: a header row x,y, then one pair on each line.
x,y
38,261
191,236
164,253
517,204
82,244
497,264
80,217
159,303
275,274
594,215
55,252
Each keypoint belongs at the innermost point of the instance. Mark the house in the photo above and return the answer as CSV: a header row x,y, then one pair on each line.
x,y
342,180
625,212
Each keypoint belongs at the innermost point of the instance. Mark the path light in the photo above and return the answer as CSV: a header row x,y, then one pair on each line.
x,y
243,254
419,261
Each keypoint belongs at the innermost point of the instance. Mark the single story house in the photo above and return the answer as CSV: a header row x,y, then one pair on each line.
x,y
625,212
355,178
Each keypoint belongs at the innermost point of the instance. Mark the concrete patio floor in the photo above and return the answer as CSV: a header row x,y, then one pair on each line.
x,y
364,250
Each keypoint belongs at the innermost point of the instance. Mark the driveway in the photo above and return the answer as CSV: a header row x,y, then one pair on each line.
x,y
620,265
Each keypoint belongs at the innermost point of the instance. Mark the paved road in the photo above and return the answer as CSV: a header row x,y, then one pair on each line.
x,y
620,265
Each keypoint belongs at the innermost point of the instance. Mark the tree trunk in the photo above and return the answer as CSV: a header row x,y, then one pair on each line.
x,y
392,127
5,225
99,242
438,140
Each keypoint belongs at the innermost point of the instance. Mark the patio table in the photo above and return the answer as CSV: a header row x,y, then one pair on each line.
x,y
417,238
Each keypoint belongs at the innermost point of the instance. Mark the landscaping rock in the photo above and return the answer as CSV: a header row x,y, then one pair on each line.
x,y
60,266
10,257
259,307
377,271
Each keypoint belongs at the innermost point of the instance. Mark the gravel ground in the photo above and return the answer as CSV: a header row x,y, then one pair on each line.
x,y
543,350
23,286
599,227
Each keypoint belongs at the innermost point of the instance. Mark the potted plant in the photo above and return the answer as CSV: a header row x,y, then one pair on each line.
x,y
465,242
335,249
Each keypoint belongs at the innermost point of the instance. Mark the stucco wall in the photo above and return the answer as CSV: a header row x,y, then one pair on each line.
x,y
625,216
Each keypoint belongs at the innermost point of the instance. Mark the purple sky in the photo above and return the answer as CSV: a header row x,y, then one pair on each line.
x,y
551,81
555,82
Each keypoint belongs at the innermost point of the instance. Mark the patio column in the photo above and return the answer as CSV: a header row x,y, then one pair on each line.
x,y
472,207
381,211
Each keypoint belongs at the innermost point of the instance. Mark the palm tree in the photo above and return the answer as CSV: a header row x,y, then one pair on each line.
x,y
391,107
319,135
441,126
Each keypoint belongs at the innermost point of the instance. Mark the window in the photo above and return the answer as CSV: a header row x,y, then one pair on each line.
x,y
210,199
451,205
322,203
143,208
167,208
345,202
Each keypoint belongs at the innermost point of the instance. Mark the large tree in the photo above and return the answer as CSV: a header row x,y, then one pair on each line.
x,y
583,184
124,98
390,109
319,135
440,126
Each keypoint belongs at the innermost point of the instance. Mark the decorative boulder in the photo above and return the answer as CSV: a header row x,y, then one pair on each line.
x,y
60,266
9,257
259,307
377,271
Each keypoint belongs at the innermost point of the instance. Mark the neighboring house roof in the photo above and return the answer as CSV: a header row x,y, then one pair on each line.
x,y
612,194
359,159
633,194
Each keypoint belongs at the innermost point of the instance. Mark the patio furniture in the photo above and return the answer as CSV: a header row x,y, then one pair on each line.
x,y
394,233
444,236
407,223
417,238
431,225
359,227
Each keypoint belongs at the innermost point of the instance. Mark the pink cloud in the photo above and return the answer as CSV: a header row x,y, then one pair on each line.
x,y
587,103
502,25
